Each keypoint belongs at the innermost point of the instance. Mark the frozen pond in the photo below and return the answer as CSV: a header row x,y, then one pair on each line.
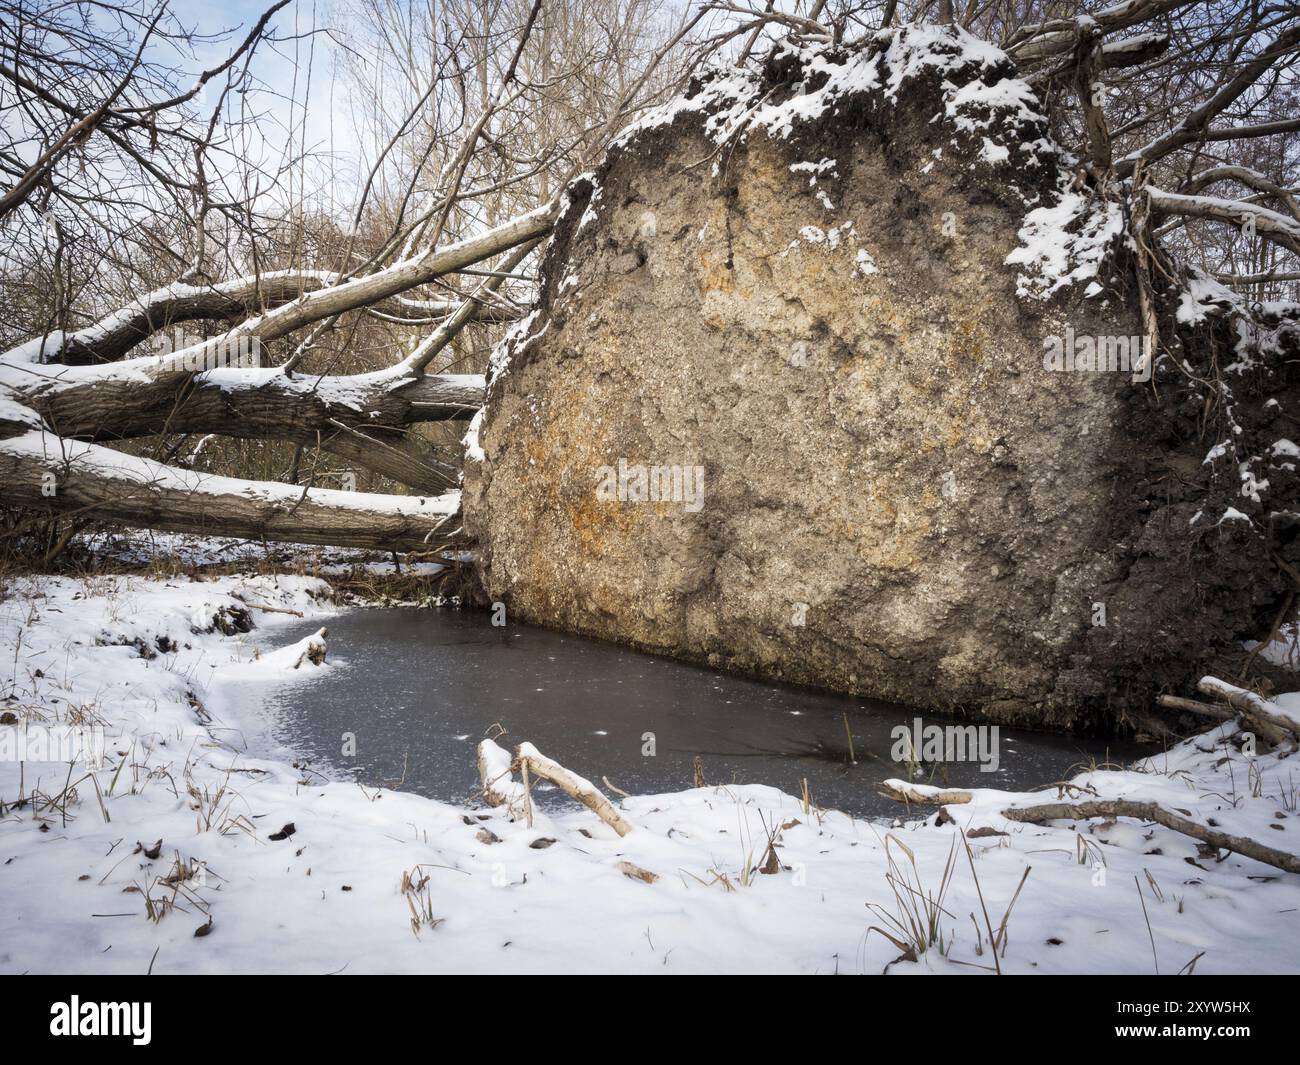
x,y
417,689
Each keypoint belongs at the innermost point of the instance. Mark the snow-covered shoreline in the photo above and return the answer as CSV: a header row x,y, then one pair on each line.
x,y
380,881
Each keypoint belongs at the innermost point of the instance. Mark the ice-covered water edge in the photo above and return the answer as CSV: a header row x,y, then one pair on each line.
x,y
383,881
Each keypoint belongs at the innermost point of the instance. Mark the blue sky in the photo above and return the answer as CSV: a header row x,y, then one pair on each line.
x,y
328,123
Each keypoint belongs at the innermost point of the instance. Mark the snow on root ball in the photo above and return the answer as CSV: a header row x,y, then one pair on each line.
x,y
812,392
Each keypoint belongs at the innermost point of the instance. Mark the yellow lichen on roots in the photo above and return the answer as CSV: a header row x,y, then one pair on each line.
x,y
558,458
968,339
892,529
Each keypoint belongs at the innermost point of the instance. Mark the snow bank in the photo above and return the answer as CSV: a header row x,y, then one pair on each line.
x,y
299,876
981,95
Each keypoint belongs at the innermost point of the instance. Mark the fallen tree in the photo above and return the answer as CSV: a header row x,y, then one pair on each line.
x,y
460,232
959,420
363,417
452,246
54,476
115,335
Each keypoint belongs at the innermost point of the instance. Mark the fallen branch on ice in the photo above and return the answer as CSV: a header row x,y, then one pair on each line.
x,y
528,756
1108,808
924,794
1151,811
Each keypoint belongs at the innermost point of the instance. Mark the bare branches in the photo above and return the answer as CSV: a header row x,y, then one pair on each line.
x,y
1246,176
116,334
1043,39
370,262
1192,127
420,358
1192,95
365,419
79,131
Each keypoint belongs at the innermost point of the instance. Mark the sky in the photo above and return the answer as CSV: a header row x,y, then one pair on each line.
x,y
287,93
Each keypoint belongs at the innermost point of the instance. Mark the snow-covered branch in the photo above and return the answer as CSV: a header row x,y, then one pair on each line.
x,y
1268,224
116,334
1192,126
50,474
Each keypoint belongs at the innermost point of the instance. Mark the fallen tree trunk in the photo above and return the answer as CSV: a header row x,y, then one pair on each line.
x,y
399,458
330,301
362,418
1269,224
47,474
1133,51
249,403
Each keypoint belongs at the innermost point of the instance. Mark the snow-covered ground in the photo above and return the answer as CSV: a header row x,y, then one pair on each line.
x,y
116,869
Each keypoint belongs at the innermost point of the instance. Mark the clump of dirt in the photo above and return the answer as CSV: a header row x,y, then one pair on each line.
x,y
783,407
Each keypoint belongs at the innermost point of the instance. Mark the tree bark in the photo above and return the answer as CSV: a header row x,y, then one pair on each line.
x,y
1057,36
1271,225
526,755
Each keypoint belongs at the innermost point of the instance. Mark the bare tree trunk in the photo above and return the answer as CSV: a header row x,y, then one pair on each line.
x,y
363,419
112,337
115,487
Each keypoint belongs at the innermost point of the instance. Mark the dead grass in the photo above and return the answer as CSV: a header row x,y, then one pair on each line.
x,y
915,923
419,900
